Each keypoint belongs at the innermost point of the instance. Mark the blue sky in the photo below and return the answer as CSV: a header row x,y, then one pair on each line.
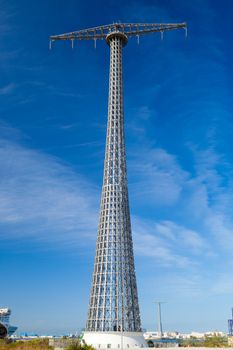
x,y
178,115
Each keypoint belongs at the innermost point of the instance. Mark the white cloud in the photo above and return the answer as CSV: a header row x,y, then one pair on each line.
x,y
168,243
187,237
211,193
199,203
43,199
159,178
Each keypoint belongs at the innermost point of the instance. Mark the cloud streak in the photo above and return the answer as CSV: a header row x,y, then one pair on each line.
x,y
43,199
168,243
159,178
194,226
8,89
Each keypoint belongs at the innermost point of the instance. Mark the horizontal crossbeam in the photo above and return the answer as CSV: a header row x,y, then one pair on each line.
x,y
129,29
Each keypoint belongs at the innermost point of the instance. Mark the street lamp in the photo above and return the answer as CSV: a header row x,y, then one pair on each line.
x,y
160,328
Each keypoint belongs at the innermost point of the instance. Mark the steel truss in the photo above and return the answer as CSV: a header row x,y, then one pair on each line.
x,y
114,299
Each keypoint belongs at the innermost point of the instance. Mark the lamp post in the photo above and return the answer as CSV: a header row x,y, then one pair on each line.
x,y
160,328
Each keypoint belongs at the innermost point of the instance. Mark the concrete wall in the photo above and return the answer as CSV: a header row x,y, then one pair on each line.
x,y
115,340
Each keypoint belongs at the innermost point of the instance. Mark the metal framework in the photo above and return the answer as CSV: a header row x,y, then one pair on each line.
x,y
114,299
128,29
230,324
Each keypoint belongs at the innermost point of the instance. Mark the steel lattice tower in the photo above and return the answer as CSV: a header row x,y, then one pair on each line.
x,y
114,300
113,303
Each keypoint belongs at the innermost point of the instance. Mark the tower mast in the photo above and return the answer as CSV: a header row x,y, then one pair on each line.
x,y
113,315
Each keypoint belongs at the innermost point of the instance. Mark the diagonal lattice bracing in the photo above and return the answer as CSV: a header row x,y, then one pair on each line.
x,y
114,301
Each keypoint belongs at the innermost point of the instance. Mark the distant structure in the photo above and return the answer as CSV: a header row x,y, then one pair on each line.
x,y
113,316
160,328
5,328
230,324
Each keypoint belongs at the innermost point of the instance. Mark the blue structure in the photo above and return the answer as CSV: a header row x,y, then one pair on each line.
x,y
230,324
5,328
165,341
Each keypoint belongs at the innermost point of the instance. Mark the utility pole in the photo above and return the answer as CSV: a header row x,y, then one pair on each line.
x,y
113,307
160,328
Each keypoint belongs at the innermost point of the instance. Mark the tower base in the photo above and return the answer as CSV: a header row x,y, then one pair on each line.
x,y
115,340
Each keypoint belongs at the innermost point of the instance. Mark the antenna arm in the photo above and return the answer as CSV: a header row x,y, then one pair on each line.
x,y
154,30
128,29
76,37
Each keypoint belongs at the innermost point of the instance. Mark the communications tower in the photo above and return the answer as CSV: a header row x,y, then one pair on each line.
x,y
113,315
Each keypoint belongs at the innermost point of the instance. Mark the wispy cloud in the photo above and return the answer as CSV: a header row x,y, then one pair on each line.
x,y
211,195
61,92
8,89
51,89
69,126
142,112
168,243
5,16
159,178
7,27
43,199
197,205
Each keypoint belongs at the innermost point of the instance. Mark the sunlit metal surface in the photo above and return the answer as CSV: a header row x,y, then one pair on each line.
x,y
114,299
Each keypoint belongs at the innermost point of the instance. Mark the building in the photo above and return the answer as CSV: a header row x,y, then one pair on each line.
x,y
6,329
